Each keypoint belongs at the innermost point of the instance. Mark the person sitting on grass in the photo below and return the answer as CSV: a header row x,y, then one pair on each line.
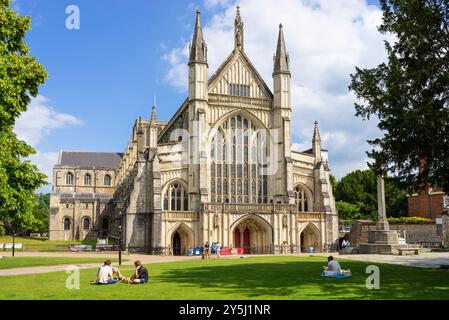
x,y
141,274
333,268
106,273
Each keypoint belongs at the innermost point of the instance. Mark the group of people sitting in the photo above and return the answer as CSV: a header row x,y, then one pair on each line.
x,y
333,269
209,251
108,274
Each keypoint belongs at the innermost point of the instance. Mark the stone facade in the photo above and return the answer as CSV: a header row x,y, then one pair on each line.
x,y
223,168
427,233
83,185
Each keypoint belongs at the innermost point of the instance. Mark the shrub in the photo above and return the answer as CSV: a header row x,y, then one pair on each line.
x,y
409,220
2,229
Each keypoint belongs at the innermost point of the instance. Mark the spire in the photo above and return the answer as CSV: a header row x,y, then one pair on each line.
x,y
316,133
238,30
198,50
281,60
153,114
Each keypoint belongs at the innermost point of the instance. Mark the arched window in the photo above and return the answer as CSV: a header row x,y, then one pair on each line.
x,y
69,179
67,224
86,224
239,158
176,198
301,199
107,180
87,180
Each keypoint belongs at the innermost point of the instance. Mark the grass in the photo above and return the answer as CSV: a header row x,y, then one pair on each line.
x,y
42,244
250,278
23,262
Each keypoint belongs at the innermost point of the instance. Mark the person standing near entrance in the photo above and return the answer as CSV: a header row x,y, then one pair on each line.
x,y
218,248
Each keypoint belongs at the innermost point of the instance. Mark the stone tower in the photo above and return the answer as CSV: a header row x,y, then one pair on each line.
x,y
198,96
281,123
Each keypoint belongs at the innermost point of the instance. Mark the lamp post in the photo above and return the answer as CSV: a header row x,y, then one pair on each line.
x,y
13,243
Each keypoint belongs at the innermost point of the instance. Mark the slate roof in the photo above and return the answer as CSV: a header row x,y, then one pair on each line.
x,y
109,160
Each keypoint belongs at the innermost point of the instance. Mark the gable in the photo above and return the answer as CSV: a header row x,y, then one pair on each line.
x,y
238,73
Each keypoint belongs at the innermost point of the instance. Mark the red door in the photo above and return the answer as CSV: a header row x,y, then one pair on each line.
x,y
246,241
237,238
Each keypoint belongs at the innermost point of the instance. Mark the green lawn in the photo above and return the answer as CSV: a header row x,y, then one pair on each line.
x,y
42,244
22,262
249,278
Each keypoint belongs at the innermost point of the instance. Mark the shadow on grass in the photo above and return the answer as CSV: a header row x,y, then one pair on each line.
x,y
301,280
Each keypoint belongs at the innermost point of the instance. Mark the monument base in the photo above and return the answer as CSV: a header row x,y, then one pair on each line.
x,y
381,242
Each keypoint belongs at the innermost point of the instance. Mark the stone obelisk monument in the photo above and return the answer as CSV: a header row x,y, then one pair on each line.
x,y
382,240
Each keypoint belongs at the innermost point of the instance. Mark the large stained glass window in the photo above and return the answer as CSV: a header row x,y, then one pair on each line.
x,y
239,156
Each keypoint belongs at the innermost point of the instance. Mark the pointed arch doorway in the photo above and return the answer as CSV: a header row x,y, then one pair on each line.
x,y
253,234
310,238
181,240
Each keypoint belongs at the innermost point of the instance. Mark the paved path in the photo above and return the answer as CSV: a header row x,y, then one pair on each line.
x,y
425,259
146,259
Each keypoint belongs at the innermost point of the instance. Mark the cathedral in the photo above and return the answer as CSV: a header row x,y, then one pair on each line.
x,y
221,170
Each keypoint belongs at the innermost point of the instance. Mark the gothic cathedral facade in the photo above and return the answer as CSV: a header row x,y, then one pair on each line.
x,y
221,170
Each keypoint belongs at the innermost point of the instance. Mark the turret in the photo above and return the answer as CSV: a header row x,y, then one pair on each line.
x,y
198,100
238,31
283,190
153,130
198,63
316,143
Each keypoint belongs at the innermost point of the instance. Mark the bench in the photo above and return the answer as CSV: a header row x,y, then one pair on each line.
x,y
8,246
413,250
79,248
2,246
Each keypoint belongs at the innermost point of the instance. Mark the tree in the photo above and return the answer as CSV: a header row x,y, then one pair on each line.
x,y
356,196
40,213
20,77
409,94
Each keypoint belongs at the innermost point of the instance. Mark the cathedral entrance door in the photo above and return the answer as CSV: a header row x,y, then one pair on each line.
x,y
177,249
237,238
246,241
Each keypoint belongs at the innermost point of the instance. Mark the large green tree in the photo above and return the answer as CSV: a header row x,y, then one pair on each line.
x,y
20,77
409,93
356,196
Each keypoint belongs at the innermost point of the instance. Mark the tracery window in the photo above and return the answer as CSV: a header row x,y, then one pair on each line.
x,y
301,199
241,90
69,179
107,180
176,198
87,180
239,156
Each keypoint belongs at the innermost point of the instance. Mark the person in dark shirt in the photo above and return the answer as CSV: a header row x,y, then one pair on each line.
x,y
141,275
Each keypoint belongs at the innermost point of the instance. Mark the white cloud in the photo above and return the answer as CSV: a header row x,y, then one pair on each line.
x,y
35,124
326,40
40,119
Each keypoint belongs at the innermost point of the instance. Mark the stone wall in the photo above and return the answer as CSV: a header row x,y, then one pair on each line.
x,y
414,233
445,229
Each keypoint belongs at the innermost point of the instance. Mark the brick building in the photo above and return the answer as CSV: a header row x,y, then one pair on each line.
x,y
427,203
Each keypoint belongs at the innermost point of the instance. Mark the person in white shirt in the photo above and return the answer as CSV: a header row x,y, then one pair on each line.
x,y
106,274
333,268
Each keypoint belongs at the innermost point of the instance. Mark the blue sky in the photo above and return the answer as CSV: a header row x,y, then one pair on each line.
x,y
105,75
